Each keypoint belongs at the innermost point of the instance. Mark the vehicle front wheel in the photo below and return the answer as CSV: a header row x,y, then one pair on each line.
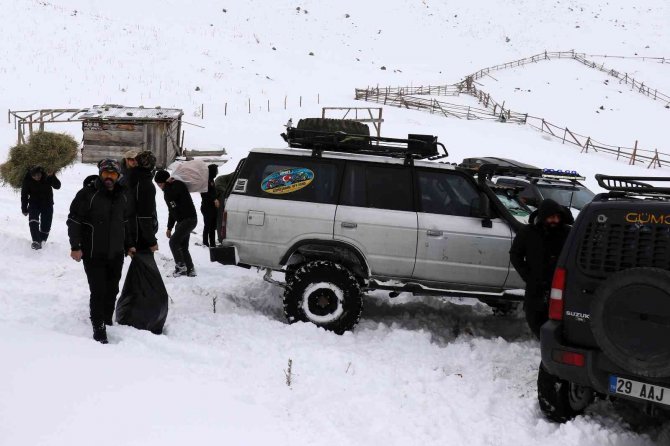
x,y
324,293
560,400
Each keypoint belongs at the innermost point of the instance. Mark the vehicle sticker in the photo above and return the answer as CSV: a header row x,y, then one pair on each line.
x,y
287,180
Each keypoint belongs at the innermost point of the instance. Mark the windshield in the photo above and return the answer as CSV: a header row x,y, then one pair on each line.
x,y
570,196
514,206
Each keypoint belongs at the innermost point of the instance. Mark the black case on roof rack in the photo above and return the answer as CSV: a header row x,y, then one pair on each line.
x,y
307,135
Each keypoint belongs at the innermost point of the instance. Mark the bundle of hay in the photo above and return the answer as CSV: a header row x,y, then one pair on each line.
x,y
51,151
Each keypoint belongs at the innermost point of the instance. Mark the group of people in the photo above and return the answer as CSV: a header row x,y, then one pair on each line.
x,y
114,215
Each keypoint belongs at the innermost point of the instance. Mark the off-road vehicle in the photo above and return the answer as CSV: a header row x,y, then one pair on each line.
x,y
609,328
344,213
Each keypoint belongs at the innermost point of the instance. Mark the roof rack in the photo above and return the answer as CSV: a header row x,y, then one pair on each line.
x,y
414,147
632,185
505,166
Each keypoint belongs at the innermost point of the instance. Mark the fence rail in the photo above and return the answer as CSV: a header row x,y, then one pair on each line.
x,y
406,97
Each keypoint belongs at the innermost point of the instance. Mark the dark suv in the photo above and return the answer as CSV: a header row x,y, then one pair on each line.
x,y
609,328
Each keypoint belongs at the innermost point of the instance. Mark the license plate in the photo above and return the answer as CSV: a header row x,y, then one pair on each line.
x,y
639,390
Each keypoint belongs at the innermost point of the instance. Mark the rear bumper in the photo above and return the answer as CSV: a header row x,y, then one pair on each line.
x,y
225,255
597,368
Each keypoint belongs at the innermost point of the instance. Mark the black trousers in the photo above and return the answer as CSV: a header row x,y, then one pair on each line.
x,y
39,220
179,241
209,231
536,309
103,280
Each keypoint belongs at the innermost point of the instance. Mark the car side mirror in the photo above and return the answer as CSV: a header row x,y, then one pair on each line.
x,y
485,211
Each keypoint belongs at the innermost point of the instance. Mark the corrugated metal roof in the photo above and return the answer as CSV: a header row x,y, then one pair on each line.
x,y
112,111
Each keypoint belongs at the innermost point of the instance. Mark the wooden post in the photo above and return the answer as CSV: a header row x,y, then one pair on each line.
x,y
565,132
632,158
468,116
225,109
542,128
654,160
586,146
285,97
249,101
618,152
268,105
300,101
318,98
202,111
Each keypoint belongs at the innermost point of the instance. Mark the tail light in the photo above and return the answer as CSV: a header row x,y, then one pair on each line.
x,y
569,358
224,223
556,295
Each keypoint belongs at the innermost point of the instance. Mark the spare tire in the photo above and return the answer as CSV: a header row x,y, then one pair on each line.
x,y
329,125
630,319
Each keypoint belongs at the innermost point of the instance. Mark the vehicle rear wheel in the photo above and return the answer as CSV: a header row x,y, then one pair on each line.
x,y
630,319
324,293
559,400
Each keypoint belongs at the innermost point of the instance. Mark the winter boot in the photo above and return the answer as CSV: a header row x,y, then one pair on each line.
x,y
191,272
180,270
36,245
100,333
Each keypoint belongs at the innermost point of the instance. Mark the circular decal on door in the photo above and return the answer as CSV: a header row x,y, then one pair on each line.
x,y
287,181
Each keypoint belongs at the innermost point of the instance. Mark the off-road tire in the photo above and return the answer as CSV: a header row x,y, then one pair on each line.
x,y
553,395
620,327
334,125
325,278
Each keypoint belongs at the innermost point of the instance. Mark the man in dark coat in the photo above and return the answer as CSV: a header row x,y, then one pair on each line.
x,y
182,212
221,184
100,235
37,202
142,195
208,208
534,254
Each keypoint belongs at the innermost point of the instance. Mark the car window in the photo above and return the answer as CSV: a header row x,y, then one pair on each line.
x,y
576,197
293,178
447,193
375,186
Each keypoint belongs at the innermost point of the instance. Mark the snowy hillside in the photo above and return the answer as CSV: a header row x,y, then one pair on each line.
x,y
415,370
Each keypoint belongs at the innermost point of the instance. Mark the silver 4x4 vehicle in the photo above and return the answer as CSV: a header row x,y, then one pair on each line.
x,y
609,327
342,214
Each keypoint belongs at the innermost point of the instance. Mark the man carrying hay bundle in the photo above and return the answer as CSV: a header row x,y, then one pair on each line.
x,y
37,202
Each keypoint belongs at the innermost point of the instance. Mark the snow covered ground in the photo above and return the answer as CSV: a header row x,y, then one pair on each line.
x,y
415,371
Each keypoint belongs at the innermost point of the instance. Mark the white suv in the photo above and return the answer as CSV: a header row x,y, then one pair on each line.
x,y
339,221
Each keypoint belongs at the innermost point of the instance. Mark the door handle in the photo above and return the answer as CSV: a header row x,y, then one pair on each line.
x,y
434,233
346,224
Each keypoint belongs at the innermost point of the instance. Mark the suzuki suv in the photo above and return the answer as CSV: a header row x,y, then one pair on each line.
x,y
609,327
341,214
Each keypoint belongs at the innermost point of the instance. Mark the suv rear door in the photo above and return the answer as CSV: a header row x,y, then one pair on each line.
x,y
454,246
284,199
376,214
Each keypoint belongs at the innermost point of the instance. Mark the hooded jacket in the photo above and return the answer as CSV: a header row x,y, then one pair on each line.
x,y
98,222
536,248
38,193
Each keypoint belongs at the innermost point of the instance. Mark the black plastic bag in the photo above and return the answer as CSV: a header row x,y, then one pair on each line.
x,y
143,303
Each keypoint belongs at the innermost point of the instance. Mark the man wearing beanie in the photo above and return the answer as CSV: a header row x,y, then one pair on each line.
x,y
182,212
534,255
100,235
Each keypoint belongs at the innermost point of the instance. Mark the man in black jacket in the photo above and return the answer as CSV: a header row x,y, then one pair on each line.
x,y
142,195
534,254
37,202
100,235
182,212
208,208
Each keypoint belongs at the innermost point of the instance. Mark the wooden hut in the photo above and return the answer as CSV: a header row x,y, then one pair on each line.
x,y
111,130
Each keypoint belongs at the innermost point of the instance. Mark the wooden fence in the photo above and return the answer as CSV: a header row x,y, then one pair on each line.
x,y
405,97
494,112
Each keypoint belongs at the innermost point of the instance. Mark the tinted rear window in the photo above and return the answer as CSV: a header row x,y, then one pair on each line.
x,y
292,178
377,186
